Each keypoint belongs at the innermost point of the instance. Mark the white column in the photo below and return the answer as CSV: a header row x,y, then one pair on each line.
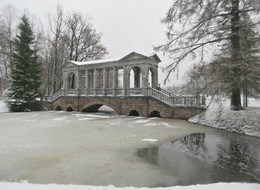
x,y
86,79
64,86
95,79
78,82
146,76
126,81
156,77
65,83
125,78
104,78
115,78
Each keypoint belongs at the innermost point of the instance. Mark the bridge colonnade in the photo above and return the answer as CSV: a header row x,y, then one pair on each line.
x,y
111,77
128,85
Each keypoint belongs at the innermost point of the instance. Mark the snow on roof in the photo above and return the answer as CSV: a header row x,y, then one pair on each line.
x,y
94,61
153,57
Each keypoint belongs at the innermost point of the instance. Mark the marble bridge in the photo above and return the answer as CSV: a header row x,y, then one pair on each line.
x,y
128,85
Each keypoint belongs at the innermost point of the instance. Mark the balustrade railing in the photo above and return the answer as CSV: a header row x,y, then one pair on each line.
x,y
162,95
167,92
176,100
109,92
136,91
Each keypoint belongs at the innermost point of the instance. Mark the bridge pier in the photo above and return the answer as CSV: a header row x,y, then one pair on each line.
x,y
143,105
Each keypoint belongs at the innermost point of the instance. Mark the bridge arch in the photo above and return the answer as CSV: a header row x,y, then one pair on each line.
x,y
133,113
69,109
94,106
58,108
135,75
71,80
155,114
152,78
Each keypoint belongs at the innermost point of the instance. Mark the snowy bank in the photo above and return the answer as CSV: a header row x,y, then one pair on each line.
x,y
215,186
3,106
219,115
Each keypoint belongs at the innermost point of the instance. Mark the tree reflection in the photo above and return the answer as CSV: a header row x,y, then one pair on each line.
x,y
150,154
218,157
236,156
194,144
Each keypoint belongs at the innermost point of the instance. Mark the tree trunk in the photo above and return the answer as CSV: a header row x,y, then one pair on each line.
x,y
235,56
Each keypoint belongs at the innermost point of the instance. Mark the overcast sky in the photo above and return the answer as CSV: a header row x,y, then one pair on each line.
x,y
126,25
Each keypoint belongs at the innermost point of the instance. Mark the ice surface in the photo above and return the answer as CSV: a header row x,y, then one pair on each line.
x,y
149,140
59,147
142,121
74,148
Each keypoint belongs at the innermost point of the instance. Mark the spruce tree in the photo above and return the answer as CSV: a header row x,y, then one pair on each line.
x,y
25,70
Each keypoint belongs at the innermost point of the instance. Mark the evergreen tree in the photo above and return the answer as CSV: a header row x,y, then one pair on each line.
x,y
25,70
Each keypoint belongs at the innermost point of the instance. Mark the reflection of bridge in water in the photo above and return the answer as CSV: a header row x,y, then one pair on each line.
x,y
128,85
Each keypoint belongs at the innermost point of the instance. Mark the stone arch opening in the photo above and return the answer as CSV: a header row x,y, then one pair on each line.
x,y
152,77
155,114
69,109
58,108
71,81
92,108
135,76
120,78
133,113
100,108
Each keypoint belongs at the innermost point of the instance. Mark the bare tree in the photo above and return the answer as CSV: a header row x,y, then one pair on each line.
x,y
82,40
7,16
70,37
55,52
215,76
193,25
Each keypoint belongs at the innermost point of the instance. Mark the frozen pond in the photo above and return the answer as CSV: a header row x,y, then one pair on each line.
x,y
93,149
75,148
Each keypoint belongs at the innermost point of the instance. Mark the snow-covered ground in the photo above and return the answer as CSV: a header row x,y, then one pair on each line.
x,y
219,115
3,106
215,186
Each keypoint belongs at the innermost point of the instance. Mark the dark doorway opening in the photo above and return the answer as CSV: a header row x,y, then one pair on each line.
x,y
155,114
69,109
133,113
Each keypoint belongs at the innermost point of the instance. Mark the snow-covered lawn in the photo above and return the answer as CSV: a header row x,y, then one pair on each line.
x,y
3,106
215,186
219,115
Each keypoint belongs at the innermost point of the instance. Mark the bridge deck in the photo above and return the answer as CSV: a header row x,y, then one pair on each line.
x,y
166,97
142,101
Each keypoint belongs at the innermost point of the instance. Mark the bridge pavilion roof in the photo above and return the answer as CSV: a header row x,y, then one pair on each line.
x,y
130,57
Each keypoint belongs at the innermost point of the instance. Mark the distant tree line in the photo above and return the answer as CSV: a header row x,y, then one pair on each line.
x,y
67,36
